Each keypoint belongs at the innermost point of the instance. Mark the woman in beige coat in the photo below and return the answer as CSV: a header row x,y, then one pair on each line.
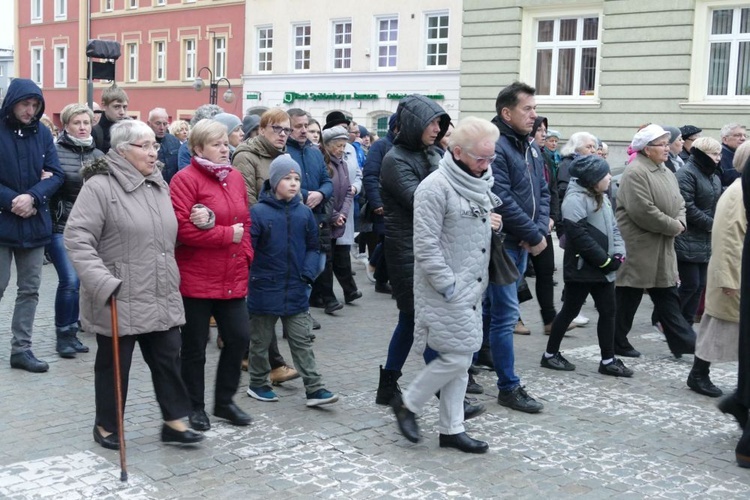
x,y
650,214
718,333
120,237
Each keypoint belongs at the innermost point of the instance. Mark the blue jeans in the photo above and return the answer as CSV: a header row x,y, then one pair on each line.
x,y
66,298
501,312
401,342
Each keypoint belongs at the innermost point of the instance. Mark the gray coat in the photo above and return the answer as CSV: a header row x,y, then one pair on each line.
x,y
120,237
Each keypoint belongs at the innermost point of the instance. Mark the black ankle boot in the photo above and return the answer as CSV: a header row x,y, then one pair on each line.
x,y
388,386
699,381
66,344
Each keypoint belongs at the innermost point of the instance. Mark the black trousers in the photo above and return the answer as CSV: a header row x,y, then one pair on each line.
x,y
161,351
544,267
603,294
679,333
339,264
693,276
233,323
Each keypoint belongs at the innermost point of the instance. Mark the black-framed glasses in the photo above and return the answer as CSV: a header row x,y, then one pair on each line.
x,y
146,146
278,130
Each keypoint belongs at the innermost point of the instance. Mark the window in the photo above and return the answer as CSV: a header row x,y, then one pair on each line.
x,y
220,57
190,58
37,69
61,9
302,47
36,11
729,53
131,51
382,126
437,40
387,42
132,4
108,5
61,66
265,50
159,3
160,61
566,55
342,45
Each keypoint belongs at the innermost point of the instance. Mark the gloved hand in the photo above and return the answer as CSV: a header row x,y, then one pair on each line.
x,y
612,265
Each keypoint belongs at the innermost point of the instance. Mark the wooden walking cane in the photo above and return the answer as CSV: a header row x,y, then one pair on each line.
x,y
118,389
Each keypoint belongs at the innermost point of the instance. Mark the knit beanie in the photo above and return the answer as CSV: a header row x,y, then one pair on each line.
x,y
589,170
230,121
250,123
674,133
280,167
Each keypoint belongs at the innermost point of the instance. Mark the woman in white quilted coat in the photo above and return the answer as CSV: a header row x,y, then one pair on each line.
x,y
453,220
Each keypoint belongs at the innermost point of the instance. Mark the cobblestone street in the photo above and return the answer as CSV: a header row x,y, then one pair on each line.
x,y
598,437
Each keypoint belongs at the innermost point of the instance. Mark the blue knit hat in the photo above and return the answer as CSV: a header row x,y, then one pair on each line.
x,y
280,167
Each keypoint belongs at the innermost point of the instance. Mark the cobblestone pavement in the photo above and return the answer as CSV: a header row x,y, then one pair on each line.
x,y
645,437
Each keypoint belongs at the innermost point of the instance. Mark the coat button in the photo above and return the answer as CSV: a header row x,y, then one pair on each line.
x,y
479,279
474,307
484,219
234,255
484,250
230,291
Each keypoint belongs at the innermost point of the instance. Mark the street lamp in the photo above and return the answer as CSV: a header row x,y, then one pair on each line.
x,y
213,87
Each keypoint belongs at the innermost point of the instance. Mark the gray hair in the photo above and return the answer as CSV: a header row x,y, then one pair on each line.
x,y
741,156
576,142
726,130
127,131
471,130
157,111
205,111
75,109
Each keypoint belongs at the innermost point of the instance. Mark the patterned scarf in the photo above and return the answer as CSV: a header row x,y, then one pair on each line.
x,y
220,171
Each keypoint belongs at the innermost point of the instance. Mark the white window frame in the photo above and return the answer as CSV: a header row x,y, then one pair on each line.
x,y
387,44
160,60
221,55
264,63
190,58
160,3
37,10
37,65
343,45
108,5
131,61
301,53
60,65
436,41
527,62
61,10
132,4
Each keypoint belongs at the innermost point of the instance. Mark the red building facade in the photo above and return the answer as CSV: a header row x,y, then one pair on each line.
x,y
165,45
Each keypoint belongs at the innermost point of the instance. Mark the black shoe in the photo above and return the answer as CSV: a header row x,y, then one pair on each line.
x,y
463,442
383,288
627,353
387,386
169,435
407,420
233,413
484,358
315,323
333,306
616,368
111,442
518,399
199,420
65,345
78,345
351,297
472,410
703,385
472,387
742,451
733,407
557,362
27,361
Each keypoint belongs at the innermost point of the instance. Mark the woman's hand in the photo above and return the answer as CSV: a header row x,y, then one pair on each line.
x,y
340,221
239,230
46,174
730,292
199,216
496,221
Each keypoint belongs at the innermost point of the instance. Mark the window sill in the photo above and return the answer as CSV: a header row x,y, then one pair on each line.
x,y
586,103
718,104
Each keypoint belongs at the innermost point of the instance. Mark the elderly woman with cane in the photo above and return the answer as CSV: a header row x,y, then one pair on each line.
x,y
121,237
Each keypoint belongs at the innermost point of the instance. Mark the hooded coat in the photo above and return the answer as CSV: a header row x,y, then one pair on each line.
x,y
26,150
120,237
407,164
253,159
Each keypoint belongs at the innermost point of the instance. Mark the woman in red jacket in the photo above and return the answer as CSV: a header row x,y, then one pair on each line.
x,y
214,258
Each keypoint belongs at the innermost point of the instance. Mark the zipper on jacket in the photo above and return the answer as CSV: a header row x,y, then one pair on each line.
x,y
529,166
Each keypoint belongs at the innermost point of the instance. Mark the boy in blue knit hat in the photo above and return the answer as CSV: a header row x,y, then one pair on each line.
x,y
285,239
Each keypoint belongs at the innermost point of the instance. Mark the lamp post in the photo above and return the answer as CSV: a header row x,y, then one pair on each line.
x,y
213,86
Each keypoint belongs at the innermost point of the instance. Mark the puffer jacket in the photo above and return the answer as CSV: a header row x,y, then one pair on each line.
x,y
120,237
72,158
285,239
451,257
211,265
26,150
592,236
403,168
253,159
700,187
519,182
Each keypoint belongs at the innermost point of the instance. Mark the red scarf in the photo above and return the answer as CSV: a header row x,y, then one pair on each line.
x,y
220,171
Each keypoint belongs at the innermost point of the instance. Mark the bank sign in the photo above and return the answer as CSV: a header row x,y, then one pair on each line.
x,y
290,97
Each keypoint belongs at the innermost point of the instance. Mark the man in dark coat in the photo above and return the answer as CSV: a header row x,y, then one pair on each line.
x,y
30,174
115,108
158,120
732,135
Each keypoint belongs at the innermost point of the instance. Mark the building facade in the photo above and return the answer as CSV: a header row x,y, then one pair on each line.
x,y
359,58
609,66
6,71
165,45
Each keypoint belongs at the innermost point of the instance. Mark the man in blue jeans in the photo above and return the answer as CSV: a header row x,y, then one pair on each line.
x,y
519,182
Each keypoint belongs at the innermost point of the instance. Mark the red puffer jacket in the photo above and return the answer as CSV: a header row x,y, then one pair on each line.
x,y
211,266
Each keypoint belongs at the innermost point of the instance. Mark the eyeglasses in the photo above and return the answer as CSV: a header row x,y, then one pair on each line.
x,y
664,145
488,159
739,135
146,146
278,130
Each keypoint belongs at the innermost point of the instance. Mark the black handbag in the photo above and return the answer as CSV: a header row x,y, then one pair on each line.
x,y
503,270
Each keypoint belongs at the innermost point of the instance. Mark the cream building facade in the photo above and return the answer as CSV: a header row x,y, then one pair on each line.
x,y
355,57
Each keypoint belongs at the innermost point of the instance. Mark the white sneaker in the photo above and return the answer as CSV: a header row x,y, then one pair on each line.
x,y
581,320
370,270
